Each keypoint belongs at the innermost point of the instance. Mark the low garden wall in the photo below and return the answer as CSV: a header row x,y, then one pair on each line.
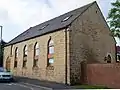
x,y
103,74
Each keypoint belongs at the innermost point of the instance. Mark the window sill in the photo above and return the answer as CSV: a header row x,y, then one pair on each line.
x,y
50,67
35,67
15,67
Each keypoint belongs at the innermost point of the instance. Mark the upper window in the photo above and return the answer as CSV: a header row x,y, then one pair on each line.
x,y
36,49
25,51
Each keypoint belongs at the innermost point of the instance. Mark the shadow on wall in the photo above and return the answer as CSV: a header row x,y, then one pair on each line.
x,y
90,56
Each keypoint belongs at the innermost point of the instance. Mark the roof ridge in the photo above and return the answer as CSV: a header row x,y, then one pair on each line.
x,y
66,13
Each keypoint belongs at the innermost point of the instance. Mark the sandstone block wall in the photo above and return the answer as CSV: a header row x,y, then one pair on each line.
x,y
90,40
42,73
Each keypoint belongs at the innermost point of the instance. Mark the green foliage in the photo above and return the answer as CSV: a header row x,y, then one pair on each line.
x,y
114,18
90,87
1,51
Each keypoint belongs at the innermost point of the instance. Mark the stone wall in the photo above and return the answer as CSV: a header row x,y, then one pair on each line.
x,y
42,72
90,40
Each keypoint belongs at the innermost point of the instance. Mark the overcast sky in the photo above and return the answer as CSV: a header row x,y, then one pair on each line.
x,y
18,15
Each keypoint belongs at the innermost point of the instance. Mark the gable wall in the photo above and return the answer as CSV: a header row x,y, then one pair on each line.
x,y
90,41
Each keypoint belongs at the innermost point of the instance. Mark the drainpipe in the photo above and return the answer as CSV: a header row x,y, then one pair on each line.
x,y
66,56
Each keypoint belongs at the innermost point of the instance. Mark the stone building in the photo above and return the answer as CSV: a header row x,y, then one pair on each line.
x,y
54,50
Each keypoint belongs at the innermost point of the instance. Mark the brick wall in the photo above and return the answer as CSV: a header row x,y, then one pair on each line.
x,y
104,74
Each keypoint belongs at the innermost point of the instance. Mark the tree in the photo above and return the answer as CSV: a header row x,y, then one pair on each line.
x,y
114,19
2,43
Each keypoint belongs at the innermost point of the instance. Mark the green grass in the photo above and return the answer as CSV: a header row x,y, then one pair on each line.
x,y
89,87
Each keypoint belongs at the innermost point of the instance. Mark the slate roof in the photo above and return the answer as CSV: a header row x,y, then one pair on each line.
x,y
50,26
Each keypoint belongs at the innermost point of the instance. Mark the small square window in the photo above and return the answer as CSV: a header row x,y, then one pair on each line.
x,y
51,61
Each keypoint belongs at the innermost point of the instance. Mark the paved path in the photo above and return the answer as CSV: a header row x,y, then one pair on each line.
x,y
46,84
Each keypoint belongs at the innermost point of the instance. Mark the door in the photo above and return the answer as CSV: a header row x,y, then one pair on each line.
x,y
8,64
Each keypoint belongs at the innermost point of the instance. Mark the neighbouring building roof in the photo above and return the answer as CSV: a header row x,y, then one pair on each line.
x,y
51,25
3,42
118,49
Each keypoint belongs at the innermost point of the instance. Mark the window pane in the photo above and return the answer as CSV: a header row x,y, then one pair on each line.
x,y
24,63
51,50
35,63
51,43
15,64
37,52
37,46
51,61
26,53
16,52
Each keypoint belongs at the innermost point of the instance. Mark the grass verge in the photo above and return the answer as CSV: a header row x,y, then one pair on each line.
x,y
90,87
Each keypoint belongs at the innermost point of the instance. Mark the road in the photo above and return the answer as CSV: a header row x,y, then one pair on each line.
x,y
21,86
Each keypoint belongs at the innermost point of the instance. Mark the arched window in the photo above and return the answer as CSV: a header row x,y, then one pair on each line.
x,y
36,54
11,50
109,58
16,57
25,54
51,47
36,48
50,59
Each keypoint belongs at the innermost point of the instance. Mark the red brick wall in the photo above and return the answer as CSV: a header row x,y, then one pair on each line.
x,y
103,74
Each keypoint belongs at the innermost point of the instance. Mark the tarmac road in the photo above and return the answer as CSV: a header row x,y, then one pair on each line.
x,y
21,86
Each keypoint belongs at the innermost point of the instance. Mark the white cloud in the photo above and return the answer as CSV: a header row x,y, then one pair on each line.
x,y
66,5
18,15
118,41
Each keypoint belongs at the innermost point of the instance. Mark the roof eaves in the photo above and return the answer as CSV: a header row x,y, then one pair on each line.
x,y
19,35
37,36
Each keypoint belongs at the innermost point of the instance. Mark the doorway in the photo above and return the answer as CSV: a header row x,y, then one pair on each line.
x,y
8,64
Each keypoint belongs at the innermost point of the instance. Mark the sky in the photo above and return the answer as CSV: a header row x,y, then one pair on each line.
x,y
17,16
